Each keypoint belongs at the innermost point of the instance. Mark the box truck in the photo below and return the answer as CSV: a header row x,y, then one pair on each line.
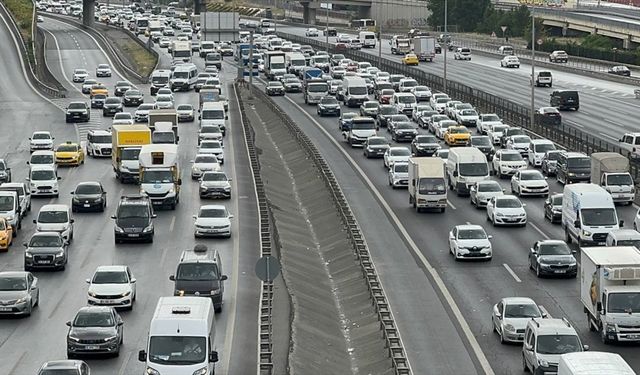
x,y
588,214
274,65
611,171
593,363
610,292
160,174
126,142
424,47
163,115
427,187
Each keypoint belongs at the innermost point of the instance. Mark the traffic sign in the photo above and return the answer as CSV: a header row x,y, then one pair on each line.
x,y
504,28
267,268
539,41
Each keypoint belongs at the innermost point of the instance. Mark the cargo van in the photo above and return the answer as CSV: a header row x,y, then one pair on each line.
x,y
565,99
505,50
212,113
368,39
184,77
588,214
295,62
587,363
573,167
10,209
354,91
465,167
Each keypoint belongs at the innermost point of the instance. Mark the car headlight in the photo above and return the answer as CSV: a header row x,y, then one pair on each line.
x,y
60,254
21,300
148,229
125,294
151,371
586,233
610,327
27,254
202,371
92,294
500,214
571,174
110,338
118,229
172,190
215,292
73,338
543,363
509,328
227,188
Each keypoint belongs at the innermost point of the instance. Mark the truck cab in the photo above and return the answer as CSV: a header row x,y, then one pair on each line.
x,y
623,237
611,171
160,174
127,141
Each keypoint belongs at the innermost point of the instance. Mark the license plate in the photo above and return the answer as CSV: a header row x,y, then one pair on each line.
x,y
134,235
87,205
92,347
43,262
106,301
5,308
560,271
633,337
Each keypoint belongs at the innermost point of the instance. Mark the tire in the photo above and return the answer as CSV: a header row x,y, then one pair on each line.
x,y
567,236
525,368
538,271
218,309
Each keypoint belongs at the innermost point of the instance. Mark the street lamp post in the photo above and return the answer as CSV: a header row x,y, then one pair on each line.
x,y
326,30
533,64
445,47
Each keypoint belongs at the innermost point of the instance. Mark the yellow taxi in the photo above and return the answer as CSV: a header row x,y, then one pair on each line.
x,y
6,235
457,136
99,89
410,59
69,153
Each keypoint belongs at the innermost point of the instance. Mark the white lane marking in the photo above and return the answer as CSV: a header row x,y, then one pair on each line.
x,y
451,204
468,333
608,136
173,223
164,255
123,367
546,237
513,274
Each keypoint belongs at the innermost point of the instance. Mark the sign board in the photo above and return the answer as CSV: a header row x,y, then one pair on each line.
x,y
539,41
504,28
267,268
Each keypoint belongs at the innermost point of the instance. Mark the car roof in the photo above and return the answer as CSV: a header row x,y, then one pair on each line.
x,y
99,132
551,242
63,364
551,326
42,167
213,207
54,207
95,308
93,183
469,226
42,132
518,301
507,197
111,268
46,234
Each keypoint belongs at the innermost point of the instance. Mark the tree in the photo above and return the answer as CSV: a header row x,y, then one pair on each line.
x,y
467,14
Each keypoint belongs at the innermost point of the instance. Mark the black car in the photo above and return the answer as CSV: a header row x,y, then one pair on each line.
x,y
97,101
330,31
45,250
134,219
121,88
77,112
620,70
565,99
112,105
344,122
89,196
549,116
484,144
95,330
328,106
403,131
395,119
335,59
553,208
5,171
384,113
307,50
424,145
274,88
132,98
375,147
550,162
553,258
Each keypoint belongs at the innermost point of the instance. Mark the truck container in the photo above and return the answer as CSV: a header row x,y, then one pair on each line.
x,y
181,51
160,174
593,363
611,171
424,47
221,26
126,141
163,115
610,292
274,64
427,186
588,214
400,45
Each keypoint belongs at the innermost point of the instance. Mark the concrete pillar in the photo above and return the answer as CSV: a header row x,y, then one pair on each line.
x,y
308,14
196,6
626,43
364,12
88,11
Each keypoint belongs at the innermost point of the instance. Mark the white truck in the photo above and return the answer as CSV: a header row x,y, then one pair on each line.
x,y
593,363
400,45
181,51
160,174
295,62
610,292
427,186
588,214
163,115
424,47
611,171
274,65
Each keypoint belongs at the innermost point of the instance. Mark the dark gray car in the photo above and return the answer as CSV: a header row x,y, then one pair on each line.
x,y
89,196
46,250
95,330
111,106
424,145
19,293
553,258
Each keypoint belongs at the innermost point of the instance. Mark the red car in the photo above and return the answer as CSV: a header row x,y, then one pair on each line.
x,y
385,96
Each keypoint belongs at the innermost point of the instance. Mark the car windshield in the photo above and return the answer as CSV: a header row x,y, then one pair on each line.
x,y
471,234
67,148
406,99
88,189
426,139
110,277
508,203
317,87
184,107
214,177
492,118
459,130
205,159
421,88
275,84
133,93
177,350
212,114
77,106
442,100
399,152
50,217
619,179
624,303
511,156
6,203
388,110
161,80
181,75
556,200
130,153
526,310
386,89
157,177
480,141
599,216
112,101
404,125
328,101
363,125
213,213
499,129
210,144
544,147
409,83
163,99
370,104
45,241
128,211
40,159
521,139
210,129
401,168
197,272
145,107
473,169
531,176
41,136
358,90
559,248
468,112
558,344
12,283
582,162
489,188
94,319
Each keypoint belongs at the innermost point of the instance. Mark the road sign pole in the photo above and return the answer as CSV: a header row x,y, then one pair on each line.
x,y
250,63
533,65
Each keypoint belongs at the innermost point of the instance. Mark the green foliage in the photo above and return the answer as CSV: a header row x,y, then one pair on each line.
x,y
22,11
517,21
466,14
597,42
586,49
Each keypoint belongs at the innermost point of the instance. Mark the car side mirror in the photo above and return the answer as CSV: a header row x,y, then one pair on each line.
x,y
585,347
113,216
524,205
172,278
224,277
25,244
72,221
133,280
213,356
498,315
576,223
68,324
621,223
88,281
59,178
230,216
528,347
599,308
154,216
35,221
27,178
142,356
195,216
179,181
574,252
489,237
72,193
120,323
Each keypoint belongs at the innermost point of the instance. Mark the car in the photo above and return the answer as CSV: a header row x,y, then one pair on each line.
x,y
212,147
424,145
496,131
97,100
510,61
422,93
112,105
385,112
558,57
112,285
529,182
337,72
43,179
122,118
64,367
449,108
549,162
396,119
462,53
210,132
95,330
485,121
369,108
470,241
185,113
98,88
204,163
87,84
506,210
215,184
19,293
343,38
6,234
484,144
274,88
385,95
375,147
549,116
212,220
455,111
69,153
134,219
482,191
292,84
467,117
165,91
398,175
620,70
553,258
103,70
46,250
163,102
132,97
457,136
5,171
511,315
328,105
396,154
141,113
433,122
77,112
508,133
553,208
410,59
344,122
544,336
24,197
443,126
79,75
424,117
520,143
89,196
334,85
41,140
164,42
403,131
311,32
121,87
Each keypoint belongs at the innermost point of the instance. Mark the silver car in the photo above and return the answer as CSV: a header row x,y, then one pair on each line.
x,y
215,184
19,293
483,191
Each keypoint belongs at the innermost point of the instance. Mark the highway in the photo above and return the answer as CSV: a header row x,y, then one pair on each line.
x,y
605,107
27,343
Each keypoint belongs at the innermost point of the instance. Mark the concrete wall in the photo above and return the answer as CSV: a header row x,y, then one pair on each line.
x,y
400,14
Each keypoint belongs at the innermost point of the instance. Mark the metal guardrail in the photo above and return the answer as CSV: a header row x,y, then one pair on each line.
x,y
512,113
379,299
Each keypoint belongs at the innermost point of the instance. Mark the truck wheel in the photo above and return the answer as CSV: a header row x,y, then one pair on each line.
x,y
603,336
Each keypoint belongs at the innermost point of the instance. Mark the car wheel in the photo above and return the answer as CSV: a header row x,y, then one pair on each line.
x,y
493,220
537,270
502,340
525,368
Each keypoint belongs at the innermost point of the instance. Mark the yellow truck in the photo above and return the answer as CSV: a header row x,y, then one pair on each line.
x,y
126,141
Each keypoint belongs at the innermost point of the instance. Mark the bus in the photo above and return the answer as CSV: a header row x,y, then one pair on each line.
x,y
141,25
364,24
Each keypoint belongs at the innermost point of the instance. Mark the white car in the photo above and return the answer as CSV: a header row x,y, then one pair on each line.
x,y
343,38
441,127
112,286
55,218
215,184
213,220
422,93
449,108
311,32
212,147
43,180
210,132
510,62
529,182
496,131
43,157
486,120
164,42
204,163
396,154
417,112
141,114
507,162
165,91
483,191
519,143
506,210
511,315
163,102
41,140
123,118
470,241
399,175
467,117
79,75
185,112
103,70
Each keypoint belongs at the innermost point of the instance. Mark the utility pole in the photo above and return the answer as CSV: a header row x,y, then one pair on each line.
x,y
250,64
326,30
533,65
380,45
445,47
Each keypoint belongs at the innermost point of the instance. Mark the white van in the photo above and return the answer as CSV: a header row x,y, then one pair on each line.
x,y
212,113
537,149
623,237
294,62
465,167
181,337
10,209
55,218
354,91
184,77
368,39
581,363
588,214
405,102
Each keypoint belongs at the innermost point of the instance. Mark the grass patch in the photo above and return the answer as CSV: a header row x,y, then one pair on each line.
x,y
22,11
143,60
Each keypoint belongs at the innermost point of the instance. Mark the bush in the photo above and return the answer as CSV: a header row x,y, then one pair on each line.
x,y
22,11
591,50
